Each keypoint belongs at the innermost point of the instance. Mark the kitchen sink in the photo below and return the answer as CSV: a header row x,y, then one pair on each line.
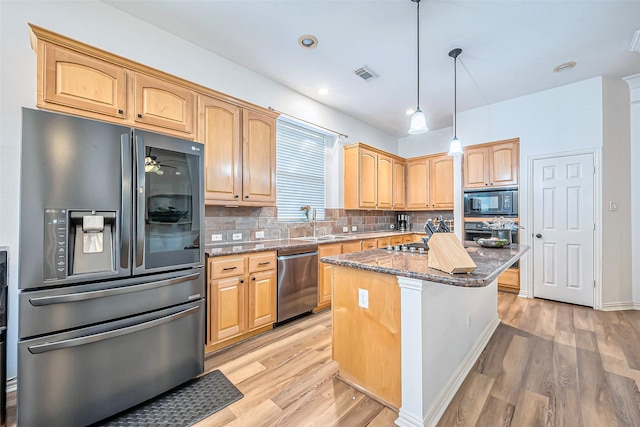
x,y
323,238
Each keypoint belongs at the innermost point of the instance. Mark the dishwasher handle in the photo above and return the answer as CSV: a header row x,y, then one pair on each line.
x,y
293,256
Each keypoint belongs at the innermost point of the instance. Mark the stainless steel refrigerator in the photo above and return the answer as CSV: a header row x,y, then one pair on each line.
x,y
111,300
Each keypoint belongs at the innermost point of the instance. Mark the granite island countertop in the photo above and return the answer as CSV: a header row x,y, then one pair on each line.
x,y
490,263
245,247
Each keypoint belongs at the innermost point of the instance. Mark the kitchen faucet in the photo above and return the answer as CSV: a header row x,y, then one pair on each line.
x,y
313,222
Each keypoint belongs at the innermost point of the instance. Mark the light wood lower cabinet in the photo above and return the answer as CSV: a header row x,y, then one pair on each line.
x,y
241,297
325,278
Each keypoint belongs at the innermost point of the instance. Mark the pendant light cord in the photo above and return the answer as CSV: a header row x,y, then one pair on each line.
x,y
455,97
418,53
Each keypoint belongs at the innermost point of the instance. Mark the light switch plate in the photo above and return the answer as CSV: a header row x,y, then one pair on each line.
x,y
216,237
345,229
259,234
354,228
363,298
236,236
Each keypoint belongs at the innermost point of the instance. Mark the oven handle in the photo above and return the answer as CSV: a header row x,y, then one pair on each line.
x,y
83,296
89,339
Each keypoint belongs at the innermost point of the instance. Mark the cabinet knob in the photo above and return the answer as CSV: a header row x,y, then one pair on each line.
x,y
486,183
246,197
139,116
241,281
120,112
253,278
236,196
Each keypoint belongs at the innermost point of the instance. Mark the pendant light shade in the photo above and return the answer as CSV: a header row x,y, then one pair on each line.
x,y
418,123
418,120
455,147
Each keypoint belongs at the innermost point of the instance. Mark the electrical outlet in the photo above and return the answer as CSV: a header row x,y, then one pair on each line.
x,y
354,228
237,236
392,226
363,298
259,234
345,229
216,237
613,206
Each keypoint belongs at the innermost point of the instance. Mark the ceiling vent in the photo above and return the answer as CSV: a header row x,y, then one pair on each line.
x,y
635,42
365,74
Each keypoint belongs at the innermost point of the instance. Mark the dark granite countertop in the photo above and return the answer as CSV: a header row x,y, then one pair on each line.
x,y
490,263
272,245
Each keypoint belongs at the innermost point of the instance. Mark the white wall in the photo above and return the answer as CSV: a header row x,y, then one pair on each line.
x,y
634,109
568,118
100,25
616,187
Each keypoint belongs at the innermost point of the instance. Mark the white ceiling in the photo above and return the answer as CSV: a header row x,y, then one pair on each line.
x,y
509,47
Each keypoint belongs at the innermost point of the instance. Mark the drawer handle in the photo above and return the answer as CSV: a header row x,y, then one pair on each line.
x,y
264,263
120,112
229,268
139,116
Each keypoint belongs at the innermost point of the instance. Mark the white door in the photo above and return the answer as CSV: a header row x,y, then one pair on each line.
x,y
563,228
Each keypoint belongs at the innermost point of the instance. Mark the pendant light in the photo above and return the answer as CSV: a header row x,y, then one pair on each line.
x,y
455,148
418,121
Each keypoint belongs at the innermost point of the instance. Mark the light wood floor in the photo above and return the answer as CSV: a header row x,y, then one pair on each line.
x,y
548,364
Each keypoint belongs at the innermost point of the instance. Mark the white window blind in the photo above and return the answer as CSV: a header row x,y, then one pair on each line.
x,y
300,171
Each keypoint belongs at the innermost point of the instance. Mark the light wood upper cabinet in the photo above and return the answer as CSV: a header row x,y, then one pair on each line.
x,y
385,182
369,178
399,184
81,82
219,130
240,153
258,158
418,184
495,164
441,182
430,183
163,104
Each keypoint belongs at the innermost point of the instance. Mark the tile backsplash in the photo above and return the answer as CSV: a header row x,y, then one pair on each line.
x,y
223,223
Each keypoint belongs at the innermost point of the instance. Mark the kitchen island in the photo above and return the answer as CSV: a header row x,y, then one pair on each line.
x,y
407,334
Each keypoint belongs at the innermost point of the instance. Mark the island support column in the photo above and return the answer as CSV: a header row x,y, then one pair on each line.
x,y
444,329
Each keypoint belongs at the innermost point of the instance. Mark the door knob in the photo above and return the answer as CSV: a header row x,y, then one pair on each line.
x,y
539,236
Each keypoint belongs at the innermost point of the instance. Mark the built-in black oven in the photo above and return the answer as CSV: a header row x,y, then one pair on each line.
x,y
491,203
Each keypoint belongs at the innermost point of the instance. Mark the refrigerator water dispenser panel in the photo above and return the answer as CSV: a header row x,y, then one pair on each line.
x,y
78,242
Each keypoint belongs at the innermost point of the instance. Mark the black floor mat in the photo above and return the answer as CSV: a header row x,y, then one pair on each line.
x,y
184,405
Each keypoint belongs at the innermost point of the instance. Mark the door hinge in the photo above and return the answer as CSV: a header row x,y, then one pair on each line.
x,y
594,283
594,226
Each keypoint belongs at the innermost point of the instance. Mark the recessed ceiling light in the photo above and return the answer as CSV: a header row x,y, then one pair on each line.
x,y
323,91
308,41
410,111
564,66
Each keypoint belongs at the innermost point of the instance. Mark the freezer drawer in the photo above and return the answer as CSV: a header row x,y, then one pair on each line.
x,y
79,377
58,309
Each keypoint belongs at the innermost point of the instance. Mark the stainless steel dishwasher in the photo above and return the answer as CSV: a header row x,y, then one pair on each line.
x,y
297,281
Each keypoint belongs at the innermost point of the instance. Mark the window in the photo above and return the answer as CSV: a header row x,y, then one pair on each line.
x,y
300,171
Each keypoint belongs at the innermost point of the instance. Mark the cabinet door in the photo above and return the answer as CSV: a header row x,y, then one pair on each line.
x,y
219,130
385,182
163,104
79,81
228,309
417,184
398,184
258,158
368,178
325,277
441,182
262,298
476,167
504,164
396,240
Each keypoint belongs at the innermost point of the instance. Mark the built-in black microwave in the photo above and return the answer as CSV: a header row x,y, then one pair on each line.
x,y
491,203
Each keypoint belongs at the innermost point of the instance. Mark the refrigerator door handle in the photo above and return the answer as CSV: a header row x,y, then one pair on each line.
x,y
140,200
125,200
74,342
83,296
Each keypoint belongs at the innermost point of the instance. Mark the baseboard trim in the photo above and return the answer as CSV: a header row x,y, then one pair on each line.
x,y
617,306
444,399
